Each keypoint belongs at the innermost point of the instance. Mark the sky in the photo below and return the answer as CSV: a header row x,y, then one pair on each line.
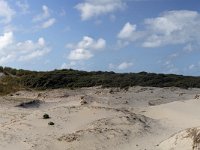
x,y
160,36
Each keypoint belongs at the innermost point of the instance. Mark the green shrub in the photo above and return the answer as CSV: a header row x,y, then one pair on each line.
x,y
46,116
51,123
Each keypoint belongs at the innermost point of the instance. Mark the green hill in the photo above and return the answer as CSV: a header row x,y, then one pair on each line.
x,y
12,80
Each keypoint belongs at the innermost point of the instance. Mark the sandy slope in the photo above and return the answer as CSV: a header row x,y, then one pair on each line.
x,y
181,119
101,119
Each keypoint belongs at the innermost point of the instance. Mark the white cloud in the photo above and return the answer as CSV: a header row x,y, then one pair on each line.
x,y
173,27
170,28
41,41
34,54
172,21
44,19
153,41
6,13
84,49
48,23
124,65
129,34
94,8
11,51
127,31
6,58
23,5
29,45
90,43
121,66
6,39
31,50
44,15
80,54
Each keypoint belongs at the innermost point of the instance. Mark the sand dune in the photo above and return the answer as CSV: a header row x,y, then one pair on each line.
x,y
100,119
188,139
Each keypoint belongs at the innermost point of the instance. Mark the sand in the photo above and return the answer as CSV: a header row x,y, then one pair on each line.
x,y
142,118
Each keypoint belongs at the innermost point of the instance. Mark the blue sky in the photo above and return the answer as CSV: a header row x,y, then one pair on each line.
x,y
161,36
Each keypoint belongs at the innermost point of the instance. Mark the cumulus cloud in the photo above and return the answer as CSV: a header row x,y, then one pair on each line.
x,y
84,49
80,54
94,8
6,12
21,51
44,15
31,50
171,27
6,58
6,39
44,19
127,31
129,34
121,66
48,23
124,65
89,43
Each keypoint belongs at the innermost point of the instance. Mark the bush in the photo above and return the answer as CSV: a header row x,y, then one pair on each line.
x,y
51,123
46,116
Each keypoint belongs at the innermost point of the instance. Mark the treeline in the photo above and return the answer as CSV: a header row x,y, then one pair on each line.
x,y
68,78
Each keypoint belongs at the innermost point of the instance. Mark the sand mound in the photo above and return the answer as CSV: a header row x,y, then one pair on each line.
x,y
111,131
30,104
188,139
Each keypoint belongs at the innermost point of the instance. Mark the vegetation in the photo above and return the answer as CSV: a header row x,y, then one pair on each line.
x,y
51,123
13,79
46,116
